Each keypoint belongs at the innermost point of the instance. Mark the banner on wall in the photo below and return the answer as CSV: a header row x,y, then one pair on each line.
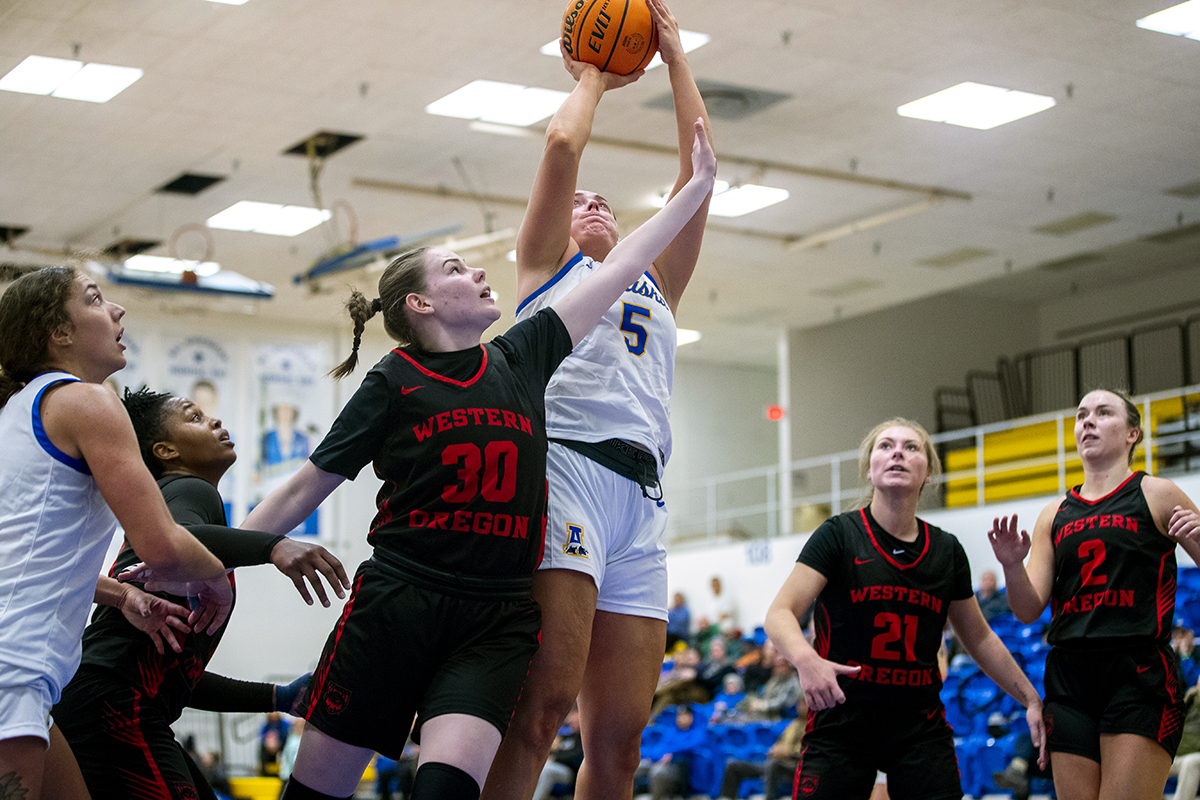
x,y
200,368
294,408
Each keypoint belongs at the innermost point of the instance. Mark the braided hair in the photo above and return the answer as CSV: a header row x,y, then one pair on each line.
x,y
148,412
404,276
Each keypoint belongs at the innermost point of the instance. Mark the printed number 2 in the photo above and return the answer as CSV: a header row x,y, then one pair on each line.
x,y
637,345
499,463
891,622
1095,547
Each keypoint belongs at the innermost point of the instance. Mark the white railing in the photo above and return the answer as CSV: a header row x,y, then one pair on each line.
x,y
745,504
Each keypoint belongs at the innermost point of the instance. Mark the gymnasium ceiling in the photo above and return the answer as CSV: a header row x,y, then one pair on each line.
x,y
883,209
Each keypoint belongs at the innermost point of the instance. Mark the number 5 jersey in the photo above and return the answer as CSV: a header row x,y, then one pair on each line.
x,y
459,441
1114,570
884,605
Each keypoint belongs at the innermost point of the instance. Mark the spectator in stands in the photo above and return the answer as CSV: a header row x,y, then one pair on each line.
x,y
566,756
679,622
701,685
1023,767
756,664
1183,642
669,770
779,695
992,602
725,701
271,738
722,612
779,768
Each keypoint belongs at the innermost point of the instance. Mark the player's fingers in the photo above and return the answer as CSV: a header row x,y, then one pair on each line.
x,y
298,581
154,637
318,587
178,623
219,617
327,569
172,639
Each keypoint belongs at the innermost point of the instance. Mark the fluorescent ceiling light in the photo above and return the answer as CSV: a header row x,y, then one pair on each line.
x,y
503,130
271,218
175,266
39,75
503,103
97,83
976,105
684,336
689,39
734,201
1180,20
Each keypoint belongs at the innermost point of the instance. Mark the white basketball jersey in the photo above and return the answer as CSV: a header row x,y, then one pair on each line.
x,y
54,531
616,384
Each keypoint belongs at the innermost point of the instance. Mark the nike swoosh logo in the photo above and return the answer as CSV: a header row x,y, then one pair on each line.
x,y
931,714
897,552
863,560
1142,669
407,390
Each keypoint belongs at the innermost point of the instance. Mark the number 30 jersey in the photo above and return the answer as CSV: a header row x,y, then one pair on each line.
x,y
616,384
459,441
1114,572
884,605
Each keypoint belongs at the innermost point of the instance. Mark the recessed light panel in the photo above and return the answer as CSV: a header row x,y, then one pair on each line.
x,y
176,266
1180,20
277,220
689,39
502,103
976,105
734,201
72,80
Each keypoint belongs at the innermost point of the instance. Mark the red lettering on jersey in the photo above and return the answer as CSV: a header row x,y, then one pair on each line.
x,y
482,522
460,417
502,524
443,421
874,592
510,419
440,518
493,416
883,675
417,518
526,425
424,430
520,527
936,604
1118,521
865,674
1085,602
476,413
858,595
1126,598
887,592
1091,522
899,677
1131,524
461,521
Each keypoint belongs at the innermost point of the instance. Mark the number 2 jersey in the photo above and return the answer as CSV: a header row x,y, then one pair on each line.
x,y
617,382
459,441
884,605
1114,571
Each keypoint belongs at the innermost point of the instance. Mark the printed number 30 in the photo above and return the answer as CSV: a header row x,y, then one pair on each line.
x,y
636,345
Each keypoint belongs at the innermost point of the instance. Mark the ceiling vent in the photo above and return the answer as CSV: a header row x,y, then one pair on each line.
x,y
726,101
123,248
954,257
847,288
1070,262
1076,223
1188,191
9,233
324,143
189,183
1172,235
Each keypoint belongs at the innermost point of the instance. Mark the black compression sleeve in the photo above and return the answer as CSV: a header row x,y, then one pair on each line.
x,y
235,547
217,693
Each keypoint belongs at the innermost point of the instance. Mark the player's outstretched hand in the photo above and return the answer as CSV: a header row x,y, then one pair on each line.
x,y
607,80
1037,732
669,45
704,160
819,677
1184,524
301,561
1009,542
157,617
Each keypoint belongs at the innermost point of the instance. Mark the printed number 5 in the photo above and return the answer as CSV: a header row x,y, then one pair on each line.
x,y
637,345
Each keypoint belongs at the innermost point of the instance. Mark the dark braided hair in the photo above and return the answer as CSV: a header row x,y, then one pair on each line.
x,y
404,276
148,412
31,310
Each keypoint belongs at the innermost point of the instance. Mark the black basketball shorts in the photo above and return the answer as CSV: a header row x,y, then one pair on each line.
x,y
1123,689
401,650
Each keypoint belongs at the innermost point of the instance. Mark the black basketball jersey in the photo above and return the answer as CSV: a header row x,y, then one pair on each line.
x,y
1114,572
459,440
884,605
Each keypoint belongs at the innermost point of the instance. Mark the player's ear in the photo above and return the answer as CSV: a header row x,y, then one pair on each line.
x,y
418,304
165,452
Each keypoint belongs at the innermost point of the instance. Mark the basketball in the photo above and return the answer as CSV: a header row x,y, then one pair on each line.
x,y
618,36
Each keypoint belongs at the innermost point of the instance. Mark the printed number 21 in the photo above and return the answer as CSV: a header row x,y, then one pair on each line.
x,y
636,345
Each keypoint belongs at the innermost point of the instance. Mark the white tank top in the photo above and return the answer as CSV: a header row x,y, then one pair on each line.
x,y
616,384
54,531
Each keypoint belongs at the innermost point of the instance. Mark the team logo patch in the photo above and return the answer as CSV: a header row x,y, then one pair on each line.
x,y
808,785
336,698
186,791
574,545
1048,720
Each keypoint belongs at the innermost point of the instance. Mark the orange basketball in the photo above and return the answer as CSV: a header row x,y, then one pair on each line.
x,y
617,36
